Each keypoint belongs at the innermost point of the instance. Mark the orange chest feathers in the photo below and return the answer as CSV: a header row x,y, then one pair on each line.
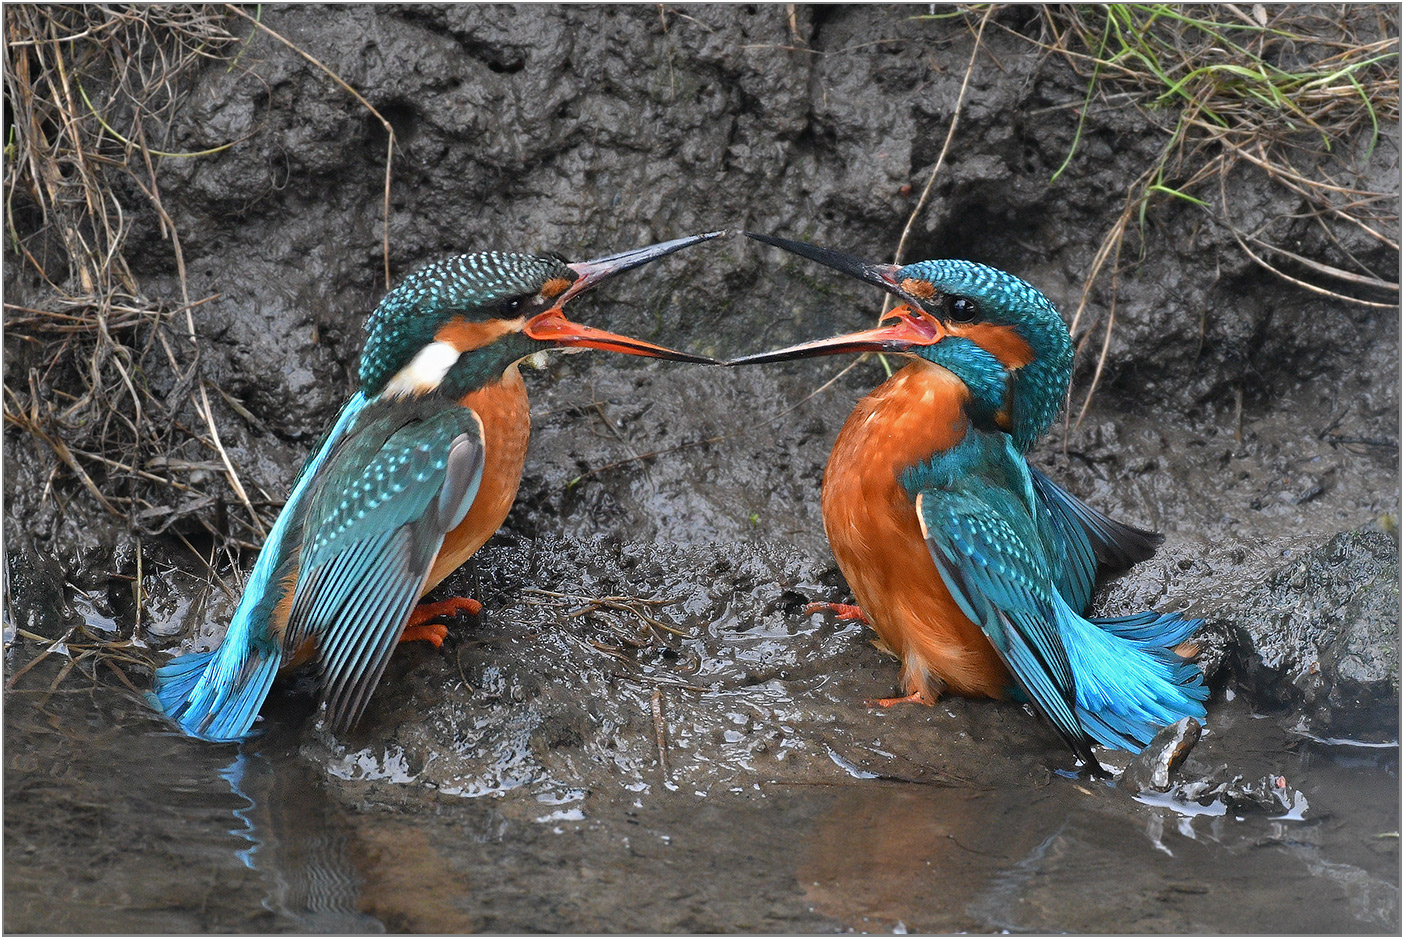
x,y
506,415
875,536
917,412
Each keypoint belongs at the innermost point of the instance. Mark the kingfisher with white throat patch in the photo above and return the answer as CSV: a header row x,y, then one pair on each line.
x,y
418,470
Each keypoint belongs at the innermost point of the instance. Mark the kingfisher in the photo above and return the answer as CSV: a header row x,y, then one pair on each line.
x,y
974,568
415,474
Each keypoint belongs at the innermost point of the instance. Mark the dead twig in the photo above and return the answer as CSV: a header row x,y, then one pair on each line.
x,y
660,737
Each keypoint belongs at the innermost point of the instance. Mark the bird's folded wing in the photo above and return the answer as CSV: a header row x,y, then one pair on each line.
x,y
1089,538
380,520
991,562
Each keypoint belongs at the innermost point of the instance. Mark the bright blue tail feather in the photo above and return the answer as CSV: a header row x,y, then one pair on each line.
x,y
176,679
216,695
1130,682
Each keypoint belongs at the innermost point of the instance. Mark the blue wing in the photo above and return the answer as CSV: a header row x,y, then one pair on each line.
x,y
1112,681
989,556
217,694
371,536
1087,539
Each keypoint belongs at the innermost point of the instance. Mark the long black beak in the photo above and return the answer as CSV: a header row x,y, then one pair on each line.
x,y
600,269
909,328
882,275
553,326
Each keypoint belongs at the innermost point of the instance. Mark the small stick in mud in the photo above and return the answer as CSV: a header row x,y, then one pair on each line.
x,y
660,737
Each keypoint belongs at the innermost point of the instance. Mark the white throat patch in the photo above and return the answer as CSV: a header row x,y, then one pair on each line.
x,y
424,372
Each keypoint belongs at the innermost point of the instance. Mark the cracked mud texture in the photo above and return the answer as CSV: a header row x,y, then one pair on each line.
x,y
1250,421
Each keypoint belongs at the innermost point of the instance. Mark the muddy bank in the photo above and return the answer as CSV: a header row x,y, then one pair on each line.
x,y
1322,633
644,732
586,130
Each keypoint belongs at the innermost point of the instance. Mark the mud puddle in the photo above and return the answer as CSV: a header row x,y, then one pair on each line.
x,y
961,817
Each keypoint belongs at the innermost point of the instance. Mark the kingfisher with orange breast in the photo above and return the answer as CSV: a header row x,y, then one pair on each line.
x,y
973,567
416,473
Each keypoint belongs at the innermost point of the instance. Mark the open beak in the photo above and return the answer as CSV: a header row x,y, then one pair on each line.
x,y
592,272
552,325
908,329
909,326
883,275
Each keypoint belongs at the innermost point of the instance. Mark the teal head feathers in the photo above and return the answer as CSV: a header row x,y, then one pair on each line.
x,y
1002,337
456,324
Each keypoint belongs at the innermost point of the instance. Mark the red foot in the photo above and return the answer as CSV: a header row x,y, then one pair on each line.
x,y
843,610
432,633
450,607
420,628
916,697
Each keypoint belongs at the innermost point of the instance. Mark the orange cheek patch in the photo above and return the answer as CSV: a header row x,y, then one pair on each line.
x,y
920,289
1002,342
465,336
554,287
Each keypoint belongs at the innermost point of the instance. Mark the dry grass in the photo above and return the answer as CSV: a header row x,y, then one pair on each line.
x,y
1298,92
115,390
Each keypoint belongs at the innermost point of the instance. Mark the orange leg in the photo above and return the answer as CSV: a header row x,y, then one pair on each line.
x,y
916,697
419,627
843,610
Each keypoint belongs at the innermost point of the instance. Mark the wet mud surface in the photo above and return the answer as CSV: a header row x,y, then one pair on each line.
x,y
644,732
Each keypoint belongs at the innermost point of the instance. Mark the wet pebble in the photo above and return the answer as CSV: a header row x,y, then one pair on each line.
x,y
1154,766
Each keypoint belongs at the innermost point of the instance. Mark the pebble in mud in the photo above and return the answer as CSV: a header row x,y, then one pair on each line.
x,y
1154,767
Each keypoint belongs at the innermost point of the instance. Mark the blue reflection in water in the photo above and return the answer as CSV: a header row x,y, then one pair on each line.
x,y
234,775
295,841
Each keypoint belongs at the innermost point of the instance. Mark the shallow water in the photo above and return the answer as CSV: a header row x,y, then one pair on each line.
x,y
115,824
512,780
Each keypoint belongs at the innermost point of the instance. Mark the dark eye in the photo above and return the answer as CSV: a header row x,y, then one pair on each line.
x,y
510,306
962,309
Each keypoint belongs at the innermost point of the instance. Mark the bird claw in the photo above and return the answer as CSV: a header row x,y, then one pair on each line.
x,y
421,628
450,607
842,610
916,697
432,633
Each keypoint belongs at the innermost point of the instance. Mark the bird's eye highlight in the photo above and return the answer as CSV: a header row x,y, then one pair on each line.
x,y
962,309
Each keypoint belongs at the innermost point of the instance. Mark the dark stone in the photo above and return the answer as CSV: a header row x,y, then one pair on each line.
x,y
1154,767
1321,635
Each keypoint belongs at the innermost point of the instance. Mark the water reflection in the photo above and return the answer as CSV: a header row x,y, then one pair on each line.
x,y
113,823
1053,858
297,844
928,858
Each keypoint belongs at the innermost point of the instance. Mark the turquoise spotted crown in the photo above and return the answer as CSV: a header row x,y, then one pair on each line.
x,y
1037,390
475,286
